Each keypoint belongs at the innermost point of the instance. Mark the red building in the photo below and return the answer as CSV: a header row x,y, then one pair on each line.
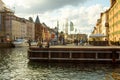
x,y
41,30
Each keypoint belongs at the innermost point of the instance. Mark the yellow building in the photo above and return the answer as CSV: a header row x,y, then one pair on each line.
x,y
104,25
98,26
100,32
114,21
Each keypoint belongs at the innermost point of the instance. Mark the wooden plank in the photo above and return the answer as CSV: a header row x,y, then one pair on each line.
x,y
70,59
38,58
74,51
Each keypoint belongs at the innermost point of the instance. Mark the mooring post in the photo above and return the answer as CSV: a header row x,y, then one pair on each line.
x,y
113,56
49,55
70,55
96,55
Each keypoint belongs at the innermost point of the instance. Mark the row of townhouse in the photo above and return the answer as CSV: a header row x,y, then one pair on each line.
x,y
101,27
108,26
13,27
114,21
42,31
21,28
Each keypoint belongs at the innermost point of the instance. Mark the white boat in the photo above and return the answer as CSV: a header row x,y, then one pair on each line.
x,y
33,43
20,42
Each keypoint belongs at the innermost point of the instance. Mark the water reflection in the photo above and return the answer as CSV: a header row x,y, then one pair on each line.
x,y
69,71
14,65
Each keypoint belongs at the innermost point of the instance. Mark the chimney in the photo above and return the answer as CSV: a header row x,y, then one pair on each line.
x,y
112,2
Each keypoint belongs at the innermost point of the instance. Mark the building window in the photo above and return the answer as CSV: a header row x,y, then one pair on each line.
x,y
116,25
110,12
117,15
117,6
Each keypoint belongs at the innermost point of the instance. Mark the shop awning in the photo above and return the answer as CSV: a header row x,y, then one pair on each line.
x,y
97,36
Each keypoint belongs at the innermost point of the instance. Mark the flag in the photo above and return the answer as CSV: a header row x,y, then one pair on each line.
x,y
71,26
66,26
75,30
57,23
57,29
57,26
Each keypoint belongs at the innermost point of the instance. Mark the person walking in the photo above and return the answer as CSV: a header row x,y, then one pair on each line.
x,y
48,45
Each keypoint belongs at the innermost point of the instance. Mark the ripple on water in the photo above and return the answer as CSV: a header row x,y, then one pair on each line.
x,y
14,65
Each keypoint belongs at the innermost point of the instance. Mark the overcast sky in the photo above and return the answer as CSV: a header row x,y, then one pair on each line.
x,y
83,13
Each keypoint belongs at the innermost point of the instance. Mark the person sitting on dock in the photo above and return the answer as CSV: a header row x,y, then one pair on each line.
x,y
48,45
29,42
39,44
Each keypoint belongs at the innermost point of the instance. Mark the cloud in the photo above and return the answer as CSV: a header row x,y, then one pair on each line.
x,y
84,18
49,11
37,6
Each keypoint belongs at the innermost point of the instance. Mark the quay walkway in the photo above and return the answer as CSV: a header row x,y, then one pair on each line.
x,y
75,53
6,45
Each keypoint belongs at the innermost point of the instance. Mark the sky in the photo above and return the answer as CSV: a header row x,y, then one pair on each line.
x,y
83,13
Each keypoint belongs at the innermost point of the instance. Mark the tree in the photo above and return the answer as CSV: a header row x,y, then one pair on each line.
x,y
31,19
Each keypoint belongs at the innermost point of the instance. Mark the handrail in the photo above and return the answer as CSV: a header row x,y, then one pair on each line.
x,y
71,56
74,51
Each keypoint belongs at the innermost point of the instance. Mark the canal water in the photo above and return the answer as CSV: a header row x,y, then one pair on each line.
x,y
14,65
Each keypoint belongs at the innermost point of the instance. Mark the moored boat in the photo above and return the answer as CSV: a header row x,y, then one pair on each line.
x,y
20,42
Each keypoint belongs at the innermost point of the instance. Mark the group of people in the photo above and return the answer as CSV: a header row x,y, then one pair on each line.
x,y
39,43
79,42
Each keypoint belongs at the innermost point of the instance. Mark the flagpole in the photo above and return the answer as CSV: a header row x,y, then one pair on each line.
x,y
57,30
70,32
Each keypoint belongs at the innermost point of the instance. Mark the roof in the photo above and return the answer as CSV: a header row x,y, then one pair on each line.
x,y
3,7
37,20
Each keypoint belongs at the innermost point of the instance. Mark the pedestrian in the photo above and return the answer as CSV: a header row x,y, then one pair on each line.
x,y
29,42
74,41
39,44
119,42
48,45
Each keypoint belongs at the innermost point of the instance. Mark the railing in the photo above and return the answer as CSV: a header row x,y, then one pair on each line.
x,y
109,55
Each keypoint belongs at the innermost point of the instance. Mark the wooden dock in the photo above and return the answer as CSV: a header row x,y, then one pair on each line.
x,y
75,53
